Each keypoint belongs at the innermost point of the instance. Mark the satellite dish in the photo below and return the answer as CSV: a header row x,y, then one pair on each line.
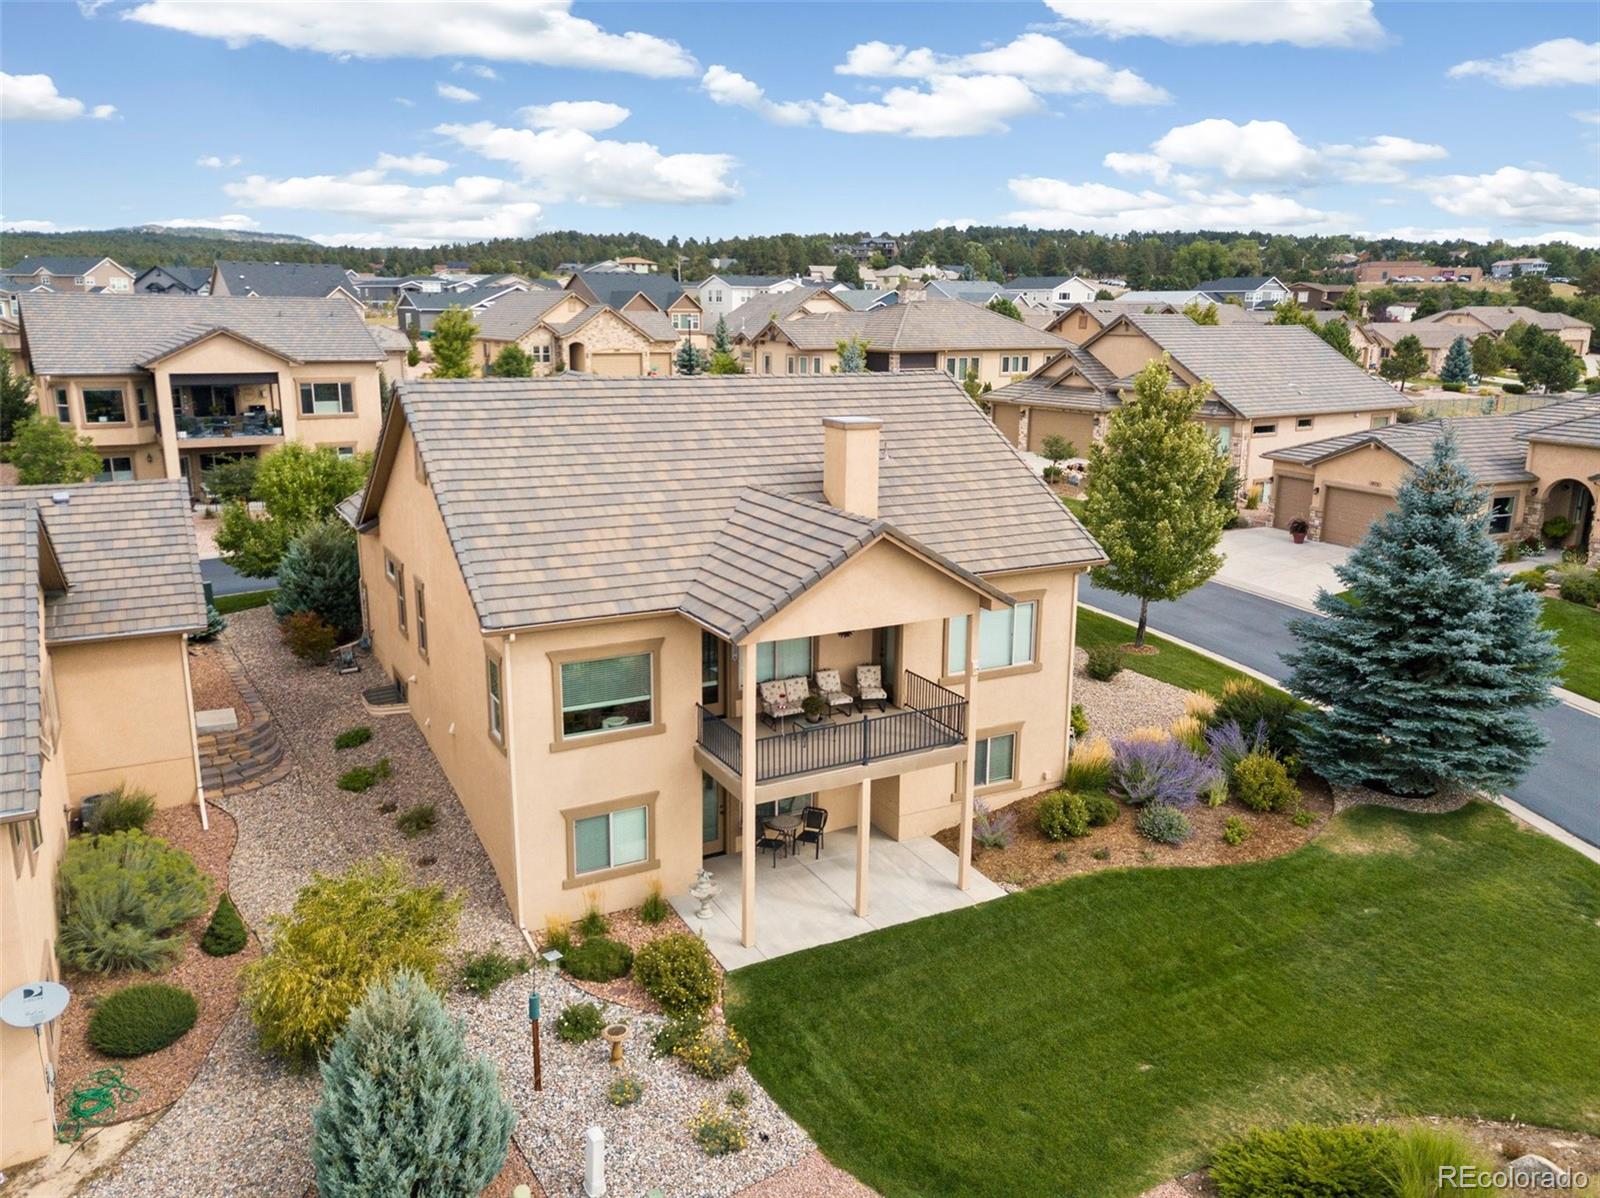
x,y
33,1004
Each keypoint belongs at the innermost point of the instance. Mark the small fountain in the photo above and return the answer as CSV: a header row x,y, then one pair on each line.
x,y
705,889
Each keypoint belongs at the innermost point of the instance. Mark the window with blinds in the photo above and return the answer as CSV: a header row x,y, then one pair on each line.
x,y
783,659
608,841
606,694
994,759
1005,638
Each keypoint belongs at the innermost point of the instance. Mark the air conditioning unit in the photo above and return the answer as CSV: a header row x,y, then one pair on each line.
x,y
87,808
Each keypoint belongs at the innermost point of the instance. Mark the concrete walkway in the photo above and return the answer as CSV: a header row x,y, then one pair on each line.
x,y
1267,562
803,901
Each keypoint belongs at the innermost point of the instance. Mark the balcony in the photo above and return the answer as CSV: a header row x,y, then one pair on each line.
x,y
929,718
213,428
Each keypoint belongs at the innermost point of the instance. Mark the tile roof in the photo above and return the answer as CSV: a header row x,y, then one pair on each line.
x,y
1585,430
752,315
128,553
510,316
617,287
71,333
1233,314
1428,334
19,658
55,264
471,297
574,498
306,279
1501,318
390,339
919,327
192,277
861,299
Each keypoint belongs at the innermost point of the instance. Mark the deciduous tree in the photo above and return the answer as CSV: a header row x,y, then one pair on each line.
x,y
1200,313
1548,362
16,396
1005,307
513,362
1405,362
453,334
1485,355
298,486
45,451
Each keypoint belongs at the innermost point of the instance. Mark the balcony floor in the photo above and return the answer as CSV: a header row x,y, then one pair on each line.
x,y
804,902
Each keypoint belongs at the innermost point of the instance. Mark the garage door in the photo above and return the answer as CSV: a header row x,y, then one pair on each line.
x,y
614,364
1077,427
1346,515
661,363
1293,499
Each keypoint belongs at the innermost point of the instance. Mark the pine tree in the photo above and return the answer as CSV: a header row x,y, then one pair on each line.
x,y
405,1110
1428,671
1485,356
852,356
1152,493
453,333
1457,366
689,359
721,341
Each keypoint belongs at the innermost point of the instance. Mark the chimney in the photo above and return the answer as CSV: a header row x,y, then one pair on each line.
x,y
850,463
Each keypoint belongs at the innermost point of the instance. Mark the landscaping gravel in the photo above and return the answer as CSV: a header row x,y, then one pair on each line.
x,y
1128,701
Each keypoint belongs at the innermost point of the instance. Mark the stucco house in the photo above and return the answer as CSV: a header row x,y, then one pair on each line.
x,y
99,590
583,623
1078,322
559,329
1495,320
417,311
720,294
1532,465
166,386
174,280
70,272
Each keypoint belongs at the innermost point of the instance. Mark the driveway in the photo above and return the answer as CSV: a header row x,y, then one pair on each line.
x,y
225,580
1253,631
1267,562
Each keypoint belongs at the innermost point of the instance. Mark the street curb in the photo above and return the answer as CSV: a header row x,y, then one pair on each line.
x,y
1554,831
1167,636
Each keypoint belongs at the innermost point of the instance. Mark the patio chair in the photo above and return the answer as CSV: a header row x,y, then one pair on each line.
x,y
812,822
775,703
798,690
869,688
774,839
833,692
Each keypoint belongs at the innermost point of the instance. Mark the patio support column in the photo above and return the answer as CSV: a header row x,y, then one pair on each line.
x,y
969,763
747,794
166,411
863,840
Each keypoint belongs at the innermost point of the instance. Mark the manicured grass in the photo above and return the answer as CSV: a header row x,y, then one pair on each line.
x,y
1577,629
1099,1035
1174,664
1075,506
226,604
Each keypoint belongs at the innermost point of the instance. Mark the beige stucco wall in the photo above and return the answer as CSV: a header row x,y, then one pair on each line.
x,y
1552,463
126,437
1124,349
1255,468
125,717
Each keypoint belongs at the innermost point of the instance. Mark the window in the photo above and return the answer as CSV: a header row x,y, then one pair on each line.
x,y
345,451
792,368
496,703
961,367
1263,430
141,400
117,283
766,363
1501,508
422,622
816,366
1380,421
400,598
115,470
783,807
710,668
611,841
1005,638
540,353
63,406
1014,364
103,405
783,659
606,694
688,321
1224,438
1302,422
714,298
994,760
391,570
326,399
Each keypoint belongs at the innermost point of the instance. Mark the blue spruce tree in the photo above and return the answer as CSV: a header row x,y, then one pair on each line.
x,y
1428,673
1457,366
405,1110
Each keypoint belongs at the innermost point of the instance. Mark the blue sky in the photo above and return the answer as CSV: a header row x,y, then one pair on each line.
x,y
420,122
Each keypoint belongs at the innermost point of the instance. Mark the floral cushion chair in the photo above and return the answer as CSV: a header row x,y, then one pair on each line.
x,y
869,687
775,702
832,691
798,690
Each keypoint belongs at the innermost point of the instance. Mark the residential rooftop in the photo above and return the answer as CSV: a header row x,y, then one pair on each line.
x,y
310,279
921,326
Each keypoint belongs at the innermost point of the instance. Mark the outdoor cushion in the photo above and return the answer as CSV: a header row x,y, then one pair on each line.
x,y
773,692
831,689
775,699
798,689
869,682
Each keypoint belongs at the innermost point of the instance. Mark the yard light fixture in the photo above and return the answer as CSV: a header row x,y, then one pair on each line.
x,y
533,1020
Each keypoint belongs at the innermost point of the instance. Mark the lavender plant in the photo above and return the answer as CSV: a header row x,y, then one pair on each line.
x,y
992,830
1165,771
1229,745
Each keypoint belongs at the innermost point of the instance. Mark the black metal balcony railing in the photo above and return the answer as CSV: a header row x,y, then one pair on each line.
x,y
933,718
252,424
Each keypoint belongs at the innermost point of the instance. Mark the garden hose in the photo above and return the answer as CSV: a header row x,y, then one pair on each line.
x,y
92,1103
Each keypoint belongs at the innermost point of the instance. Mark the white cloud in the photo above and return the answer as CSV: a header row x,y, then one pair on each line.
x,y
735,91
501,30
1589,116
1346,23
412,164
460,95
30,226
960,222
1052,203
1562,60
1517,197
404,102
478,69
231,220
1382,159
592,116
216,161
34,98
1269,152
569,164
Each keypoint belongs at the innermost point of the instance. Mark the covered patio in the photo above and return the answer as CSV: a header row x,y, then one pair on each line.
x,y
806,900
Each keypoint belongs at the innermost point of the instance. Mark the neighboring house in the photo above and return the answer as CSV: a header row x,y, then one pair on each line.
x,y
166,386
647,295
1401,312
863,300
863,250
175,280
1250,291
585,600
1320,297
1416,271
387,289
1383,335
308,280
632,341
1511,268
100,587
1532,466
720,294
396,349
748,319
418,311
1271,386
1496,320
1044,291
1360,340
82,272
1178,299
638,266
1081,321
949,335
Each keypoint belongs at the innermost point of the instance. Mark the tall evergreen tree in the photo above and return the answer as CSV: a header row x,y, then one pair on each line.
x,y
689,360
1457,366
1425,676
1548,362
405,1109
1153,484
721,341
1486,358
453,334
852,356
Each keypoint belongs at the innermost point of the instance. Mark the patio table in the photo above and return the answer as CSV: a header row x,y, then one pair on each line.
x,y
787,824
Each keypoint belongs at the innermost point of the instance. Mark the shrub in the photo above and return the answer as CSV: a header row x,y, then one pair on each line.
x,y
1591,385
1051,474
718,1131
120,896
737,1099
598,959
557,934
1261,783
1514,388
1104,663
482,972
1534,580
405,1108
592,922
1453,386
141,1019
1305,1161
345,932
1247,703
676,970
1235,831
1228,743
1188,731
225,934
308,635
216,625
1579,585
714,1054
1149,734
1511,551
125,807
1162,823
992,829
1102,809
1080,722
1089,766
1556,529
1302,817
655,907
675,1034
365,777
580,1023
416,819
1159,772
1063,815
1420,1155
320,572
353,738
627,1090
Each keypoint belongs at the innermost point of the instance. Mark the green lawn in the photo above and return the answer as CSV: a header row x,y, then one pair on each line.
x,y
1099,1035
1174,664
227,604
1577,629
1075,506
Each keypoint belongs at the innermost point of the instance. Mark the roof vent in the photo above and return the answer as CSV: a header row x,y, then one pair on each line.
x,y
61,497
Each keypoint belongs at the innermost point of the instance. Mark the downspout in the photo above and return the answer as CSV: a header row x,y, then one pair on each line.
x,y
194,738
511,765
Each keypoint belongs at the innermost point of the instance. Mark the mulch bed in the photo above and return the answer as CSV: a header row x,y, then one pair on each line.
x,y
627,927
161,1077
1034,861
213,685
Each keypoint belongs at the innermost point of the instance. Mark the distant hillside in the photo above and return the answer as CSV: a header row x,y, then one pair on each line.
x,y
217,234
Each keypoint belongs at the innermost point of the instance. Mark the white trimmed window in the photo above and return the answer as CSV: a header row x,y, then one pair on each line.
x,y
115,470
1501,510
606,694
1014,363
422,621
686,321
610,841
1005,638
1302,423
994,760
497,726
961,367
326,399
142,402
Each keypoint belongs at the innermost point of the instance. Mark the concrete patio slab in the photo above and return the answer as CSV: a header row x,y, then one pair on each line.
x,y
1267,562
807,900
